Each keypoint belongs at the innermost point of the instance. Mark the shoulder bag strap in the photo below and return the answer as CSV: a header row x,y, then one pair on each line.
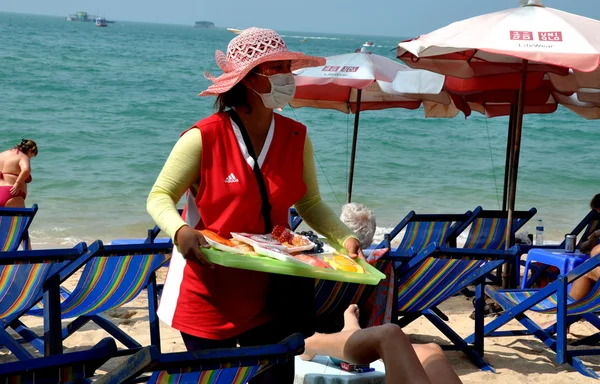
x,y
266,206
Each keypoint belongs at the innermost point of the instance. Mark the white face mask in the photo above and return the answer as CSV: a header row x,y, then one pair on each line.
x,y
283,88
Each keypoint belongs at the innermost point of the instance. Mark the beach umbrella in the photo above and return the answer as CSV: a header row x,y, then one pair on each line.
x,y
519,42
361,81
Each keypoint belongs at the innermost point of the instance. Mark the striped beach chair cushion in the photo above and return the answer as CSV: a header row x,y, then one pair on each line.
x,y
419,234
20,287
11,231
589,304
433,281
107,283
487,233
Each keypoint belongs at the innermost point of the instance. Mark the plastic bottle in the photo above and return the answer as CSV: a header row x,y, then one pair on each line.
x,y
539,233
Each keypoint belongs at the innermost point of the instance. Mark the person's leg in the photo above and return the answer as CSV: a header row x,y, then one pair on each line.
x,y
582,286
436,366
363,346
269,333
15,202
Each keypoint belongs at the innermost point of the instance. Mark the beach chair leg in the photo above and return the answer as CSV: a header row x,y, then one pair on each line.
x,y
441,314
458,342
132,367
52,317
580,367
74,326
561,321
152,307
479,317
14,346
114,331
28,335
406,319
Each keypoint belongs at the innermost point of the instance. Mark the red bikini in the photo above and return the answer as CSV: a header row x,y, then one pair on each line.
x,y
5,194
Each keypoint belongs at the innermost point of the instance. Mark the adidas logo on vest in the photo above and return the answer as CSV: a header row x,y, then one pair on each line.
x,y
231,179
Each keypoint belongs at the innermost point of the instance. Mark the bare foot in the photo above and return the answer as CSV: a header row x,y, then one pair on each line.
x,y
351,318
307,356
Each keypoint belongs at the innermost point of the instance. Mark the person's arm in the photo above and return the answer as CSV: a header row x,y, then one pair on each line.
x,y
590,243
179,173
313,209
19,186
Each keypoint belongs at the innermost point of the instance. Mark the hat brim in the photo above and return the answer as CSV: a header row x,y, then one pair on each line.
x,y
228,80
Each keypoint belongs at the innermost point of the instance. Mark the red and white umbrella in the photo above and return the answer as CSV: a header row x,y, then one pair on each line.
x,y
362,81
520,41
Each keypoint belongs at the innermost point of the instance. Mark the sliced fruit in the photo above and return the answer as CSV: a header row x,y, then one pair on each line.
x,y
312,260
344,263
214,237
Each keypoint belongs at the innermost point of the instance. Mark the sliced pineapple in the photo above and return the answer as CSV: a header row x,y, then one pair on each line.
x,y
343,263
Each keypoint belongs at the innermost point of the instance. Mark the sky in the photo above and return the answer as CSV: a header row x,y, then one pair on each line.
x,y
396,18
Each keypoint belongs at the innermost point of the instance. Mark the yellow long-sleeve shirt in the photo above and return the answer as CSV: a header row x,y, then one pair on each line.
x,y
181,172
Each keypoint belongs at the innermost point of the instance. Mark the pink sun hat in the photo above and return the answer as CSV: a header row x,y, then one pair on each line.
x,y
250,48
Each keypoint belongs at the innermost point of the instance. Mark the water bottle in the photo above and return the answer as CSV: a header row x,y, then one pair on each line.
x,y
539,233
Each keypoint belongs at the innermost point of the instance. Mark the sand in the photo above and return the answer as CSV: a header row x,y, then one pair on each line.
x,y
517,360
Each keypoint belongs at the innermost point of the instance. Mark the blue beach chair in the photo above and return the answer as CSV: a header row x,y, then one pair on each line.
x,y
22,278
70,368
112,276
487,230
424,281
552,299
216,366
432,276
14,225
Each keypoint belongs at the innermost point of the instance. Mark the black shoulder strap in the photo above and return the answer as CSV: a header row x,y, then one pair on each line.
x,y
266,206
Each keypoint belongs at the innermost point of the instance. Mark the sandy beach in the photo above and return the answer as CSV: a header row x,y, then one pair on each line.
x,y
517,360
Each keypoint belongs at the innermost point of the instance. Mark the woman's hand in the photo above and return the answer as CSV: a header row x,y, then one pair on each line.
x,y
190,241
18,188
352,245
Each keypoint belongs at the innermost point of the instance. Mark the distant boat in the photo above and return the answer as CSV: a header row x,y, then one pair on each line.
x,y
235,30
101,22
303,40
369,44
204,24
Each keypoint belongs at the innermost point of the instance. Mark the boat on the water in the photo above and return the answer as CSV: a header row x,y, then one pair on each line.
x,y
101,22
235,30
369,44
204,24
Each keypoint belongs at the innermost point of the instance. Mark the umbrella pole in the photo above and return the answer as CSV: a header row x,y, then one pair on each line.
x,y
354,139
514,166
509,145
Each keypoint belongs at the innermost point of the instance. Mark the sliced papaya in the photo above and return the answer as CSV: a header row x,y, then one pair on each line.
x,y
214,237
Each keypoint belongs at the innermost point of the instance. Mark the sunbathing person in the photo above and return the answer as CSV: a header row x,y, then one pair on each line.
x,y
15,173
582,286
404,362
592,240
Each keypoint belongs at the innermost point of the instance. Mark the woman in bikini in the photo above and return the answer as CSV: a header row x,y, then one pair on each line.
x,y
15,173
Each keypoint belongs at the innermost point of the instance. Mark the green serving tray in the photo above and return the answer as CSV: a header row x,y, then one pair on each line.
x,y
269,265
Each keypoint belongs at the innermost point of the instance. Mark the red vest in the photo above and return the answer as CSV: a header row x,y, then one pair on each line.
x,y
220,303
